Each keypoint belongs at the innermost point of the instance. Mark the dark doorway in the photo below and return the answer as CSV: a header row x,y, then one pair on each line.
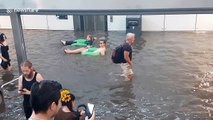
x,y
90,23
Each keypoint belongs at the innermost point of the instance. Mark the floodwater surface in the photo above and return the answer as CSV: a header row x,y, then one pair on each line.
x,y
173,74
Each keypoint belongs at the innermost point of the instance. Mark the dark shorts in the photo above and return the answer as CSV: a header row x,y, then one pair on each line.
x,y
27,109
4,64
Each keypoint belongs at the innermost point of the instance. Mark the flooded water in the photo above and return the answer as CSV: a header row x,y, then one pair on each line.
x,y
173,75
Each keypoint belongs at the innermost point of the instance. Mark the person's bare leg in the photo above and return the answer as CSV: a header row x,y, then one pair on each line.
x,y
130,73
76,51
9,68
130,76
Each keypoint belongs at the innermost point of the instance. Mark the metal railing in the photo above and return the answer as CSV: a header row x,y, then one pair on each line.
x,y
2,86
2,104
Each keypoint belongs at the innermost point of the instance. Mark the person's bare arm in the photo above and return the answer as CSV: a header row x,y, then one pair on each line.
x,y
5,43
39,77
126,57
20,84
3,58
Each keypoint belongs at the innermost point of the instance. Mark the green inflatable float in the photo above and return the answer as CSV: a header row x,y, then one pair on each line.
x,y
91,52
80,43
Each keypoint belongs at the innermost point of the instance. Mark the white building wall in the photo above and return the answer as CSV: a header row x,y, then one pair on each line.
x,y
56,24
34,22
152,23
5,22
205,22
47,22
200,22
117,23
180,22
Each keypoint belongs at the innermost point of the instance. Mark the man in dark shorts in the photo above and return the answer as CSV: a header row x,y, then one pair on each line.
x,y
126,64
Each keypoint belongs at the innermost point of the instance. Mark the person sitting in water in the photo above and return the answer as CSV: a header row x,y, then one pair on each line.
x,y
89,41
67,112
101,50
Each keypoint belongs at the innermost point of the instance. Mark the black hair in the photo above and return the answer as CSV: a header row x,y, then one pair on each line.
x,y
103,41
2,37
43,94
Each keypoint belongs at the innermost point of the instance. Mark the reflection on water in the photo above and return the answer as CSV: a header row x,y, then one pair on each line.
x,y
173,74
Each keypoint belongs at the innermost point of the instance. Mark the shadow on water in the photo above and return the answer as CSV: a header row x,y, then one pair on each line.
x,y
172,75
122,101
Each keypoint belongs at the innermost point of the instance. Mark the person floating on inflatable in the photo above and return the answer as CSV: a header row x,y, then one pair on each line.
x,y
92,51
80,42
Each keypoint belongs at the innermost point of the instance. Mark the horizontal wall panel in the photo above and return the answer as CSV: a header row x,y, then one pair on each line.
x,y
5,22
152,22
180,22
35,21
205,22
60,24
116,23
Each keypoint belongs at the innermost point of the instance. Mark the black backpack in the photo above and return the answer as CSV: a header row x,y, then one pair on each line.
x,y
117,55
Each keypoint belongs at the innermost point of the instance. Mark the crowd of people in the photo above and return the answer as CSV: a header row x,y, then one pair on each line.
x,y
46,99
125,55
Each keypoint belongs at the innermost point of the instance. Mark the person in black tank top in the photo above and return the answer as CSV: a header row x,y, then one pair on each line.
x,y
26,80
5,62
26,104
